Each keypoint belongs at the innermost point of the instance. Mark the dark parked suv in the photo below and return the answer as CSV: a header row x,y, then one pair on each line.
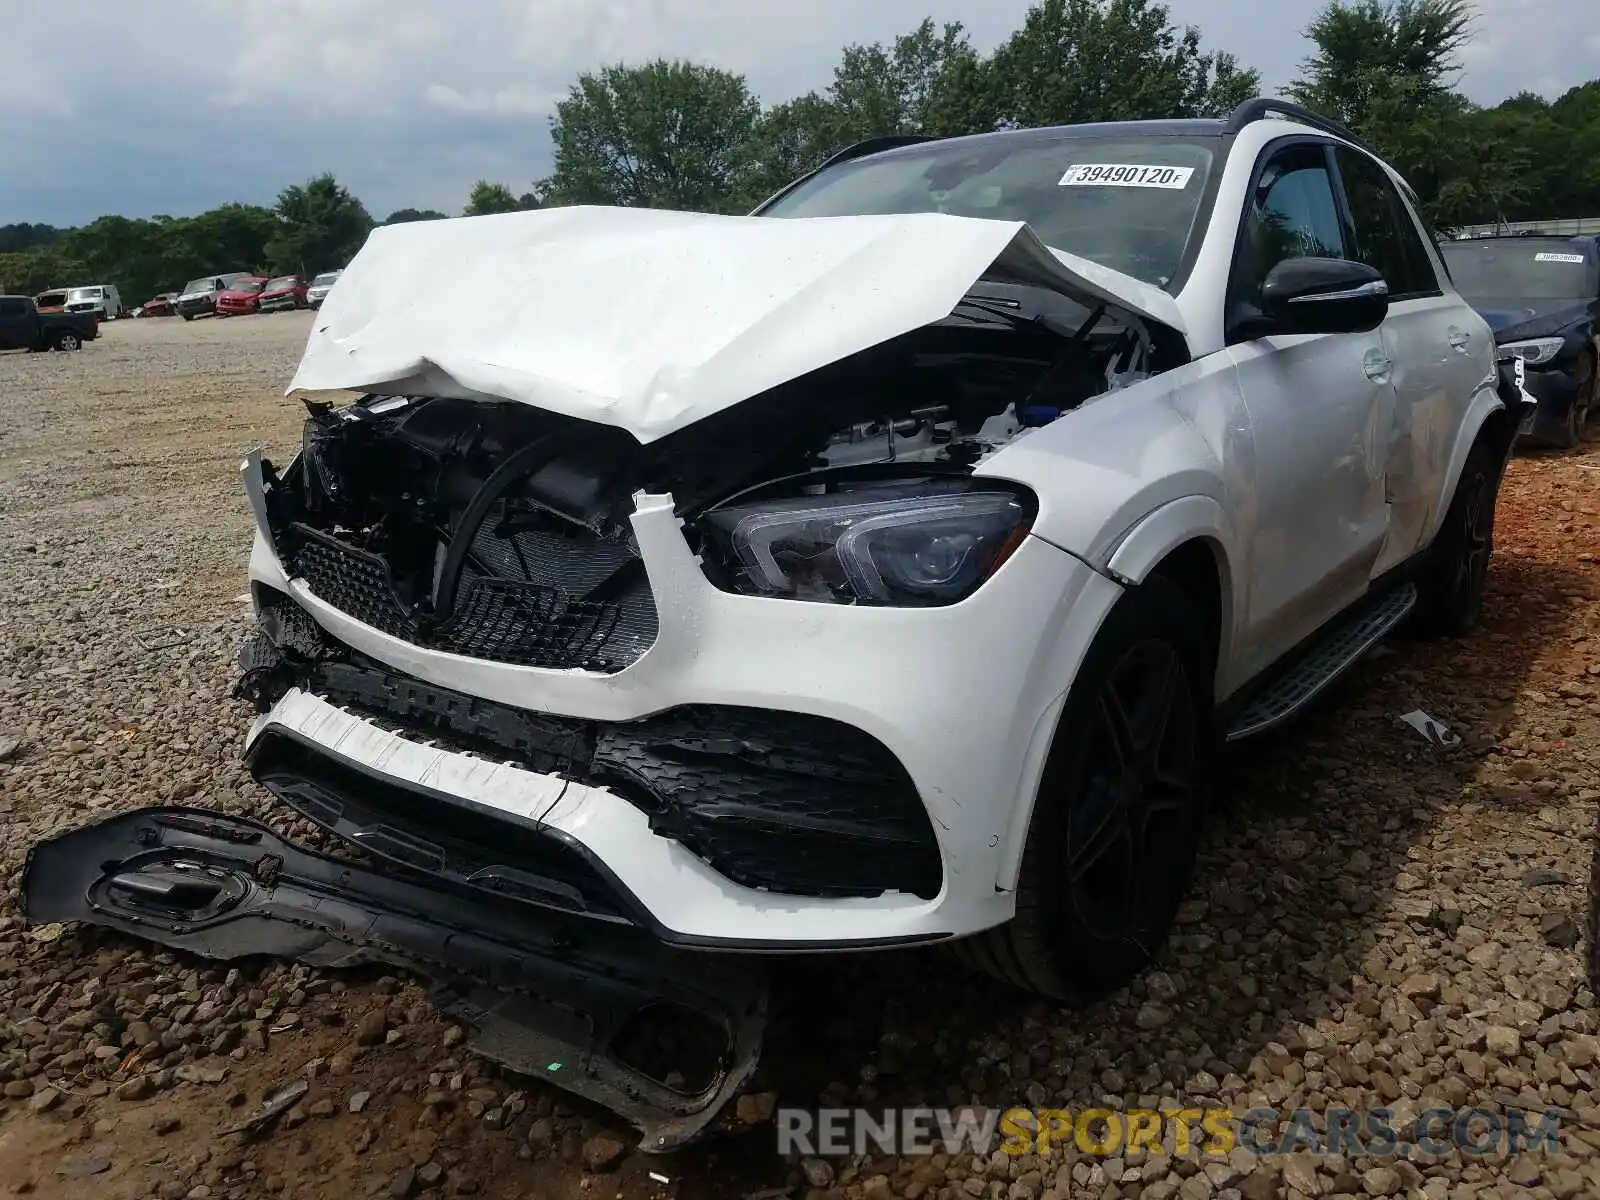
x,y
1541,295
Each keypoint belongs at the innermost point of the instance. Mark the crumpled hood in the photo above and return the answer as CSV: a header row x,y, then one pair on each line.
x,y
650,320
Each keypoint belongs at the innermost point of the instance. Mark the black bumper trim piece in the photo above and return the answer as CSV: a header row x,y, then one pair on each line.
x,y
550,996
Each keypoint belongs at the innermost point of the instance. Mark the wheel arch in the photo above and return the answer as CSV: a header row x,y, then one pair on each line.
x,y
1490,414
1187,540
1183,541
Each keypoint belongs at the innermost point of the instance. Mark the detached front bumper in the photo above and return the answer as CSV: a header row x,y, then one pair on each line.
x,y
586,1006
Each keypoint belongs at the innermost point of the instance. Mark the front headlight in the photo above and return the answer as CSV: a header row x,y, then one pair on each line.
x,y
1535,351
899,546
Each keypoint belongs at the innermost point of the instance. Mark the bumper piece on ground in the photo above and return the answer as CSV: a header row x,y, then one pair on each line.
x,y
661,1037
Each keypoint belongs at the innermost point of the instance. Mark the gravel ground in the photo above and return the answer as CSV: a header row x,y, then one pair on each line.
x,y
1376,921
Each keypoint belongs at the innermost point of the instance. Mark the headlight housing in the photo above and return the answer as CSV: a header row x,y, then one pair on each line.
x,y
899,545
1535,352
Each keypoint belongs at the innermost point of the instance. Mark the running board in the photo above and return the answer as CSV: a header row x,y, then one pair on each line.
x,y
1322,661
577,1003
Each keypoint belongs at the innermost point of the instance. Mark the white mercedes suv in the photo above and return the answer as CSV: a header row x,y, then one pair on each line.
x,y
883,567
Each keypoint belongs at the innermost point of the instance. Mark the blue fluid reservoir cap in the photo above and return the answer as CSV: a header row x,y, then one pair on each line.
x,y
1037,414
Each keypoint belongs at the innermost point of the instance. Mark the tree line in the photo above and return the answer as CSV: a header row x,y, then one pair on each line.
x,y
674,134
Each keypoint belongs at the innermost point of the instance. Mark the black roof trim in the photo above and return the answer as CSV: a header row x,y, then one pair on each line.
x,y
873,145
1265,109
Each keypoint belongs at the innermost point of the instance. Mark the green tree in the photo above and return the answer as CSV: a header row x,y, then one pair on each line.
x,y
661,135
927,81
490,198
1374,55
401,216
1106,60
1571,152
25,236
29,272
320,226
789,140
1385,69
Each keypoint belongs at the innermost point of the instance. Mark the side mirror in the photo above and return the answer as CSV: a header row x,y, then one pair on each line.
x,y
1324,295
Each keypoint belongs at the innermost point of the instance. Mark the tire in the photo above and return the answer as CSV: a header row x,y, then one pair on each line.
x,y
1582,403
66,341
187,316
1450,590
1142,697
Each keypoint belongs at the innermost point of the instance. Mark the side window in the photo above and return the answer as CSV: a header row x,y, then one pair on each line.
x,y
1293,212
1385,235
13,308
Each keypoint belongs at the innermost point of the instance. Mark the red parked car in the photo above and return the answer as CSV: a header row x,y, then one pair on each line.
x,y
242,296
159,306
284,292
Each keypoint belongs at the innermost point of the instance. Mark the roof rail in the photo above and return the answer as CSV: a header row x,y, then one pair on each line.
x,y
873,145
1263,109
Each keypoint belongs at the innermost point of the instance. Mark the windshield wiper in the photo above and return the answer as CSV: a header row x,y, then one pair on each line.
x,y
997,308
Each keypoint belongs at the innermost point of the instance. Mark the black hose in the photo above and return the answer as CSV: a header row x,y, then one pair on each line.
x,y
521,463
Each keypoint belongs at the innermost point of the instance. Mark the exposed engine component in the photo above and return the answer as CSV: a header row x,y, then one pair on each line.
x,y
502,532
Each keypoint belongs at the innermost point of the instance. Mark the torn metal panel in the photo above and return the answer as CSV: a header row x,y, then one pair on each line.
x,y
650,321
590,1008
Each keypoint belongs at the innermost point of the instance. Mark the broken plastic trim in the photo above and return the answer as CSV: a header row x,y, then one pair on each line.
x,y
563,1000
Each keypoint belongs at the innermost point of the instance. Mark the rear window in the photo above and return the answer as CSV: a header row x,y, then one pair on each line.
x,y
12,307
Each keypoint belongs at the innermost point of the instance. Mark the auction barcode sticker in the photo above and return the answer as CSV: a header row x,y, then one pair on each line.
x,y
1126,175
1561,258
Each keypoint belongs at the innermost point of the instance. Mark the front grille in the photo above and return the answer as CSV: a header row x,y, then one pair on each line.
x,y
499,620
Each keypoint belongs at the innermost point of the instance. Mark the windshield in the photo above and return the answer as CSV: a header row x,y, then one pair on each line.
x,y
199,285
1131,204
1539,274
247,285
325,279
88,293
283,281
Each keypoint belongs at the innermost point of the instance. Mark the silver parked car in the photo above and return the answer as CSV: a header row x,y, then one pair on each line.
x,y
321,286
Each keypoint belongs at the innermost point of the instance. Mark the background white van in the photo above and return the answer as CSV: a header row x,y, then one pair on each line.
x,y
102,299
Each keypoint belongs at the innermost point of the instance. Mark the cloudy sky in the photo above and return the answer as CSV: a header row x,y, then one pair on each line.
x,y
176,106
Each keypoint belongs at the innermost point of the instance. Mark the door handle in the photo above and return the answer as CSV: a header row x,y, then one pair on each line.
x,y
1460,339
1377,365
